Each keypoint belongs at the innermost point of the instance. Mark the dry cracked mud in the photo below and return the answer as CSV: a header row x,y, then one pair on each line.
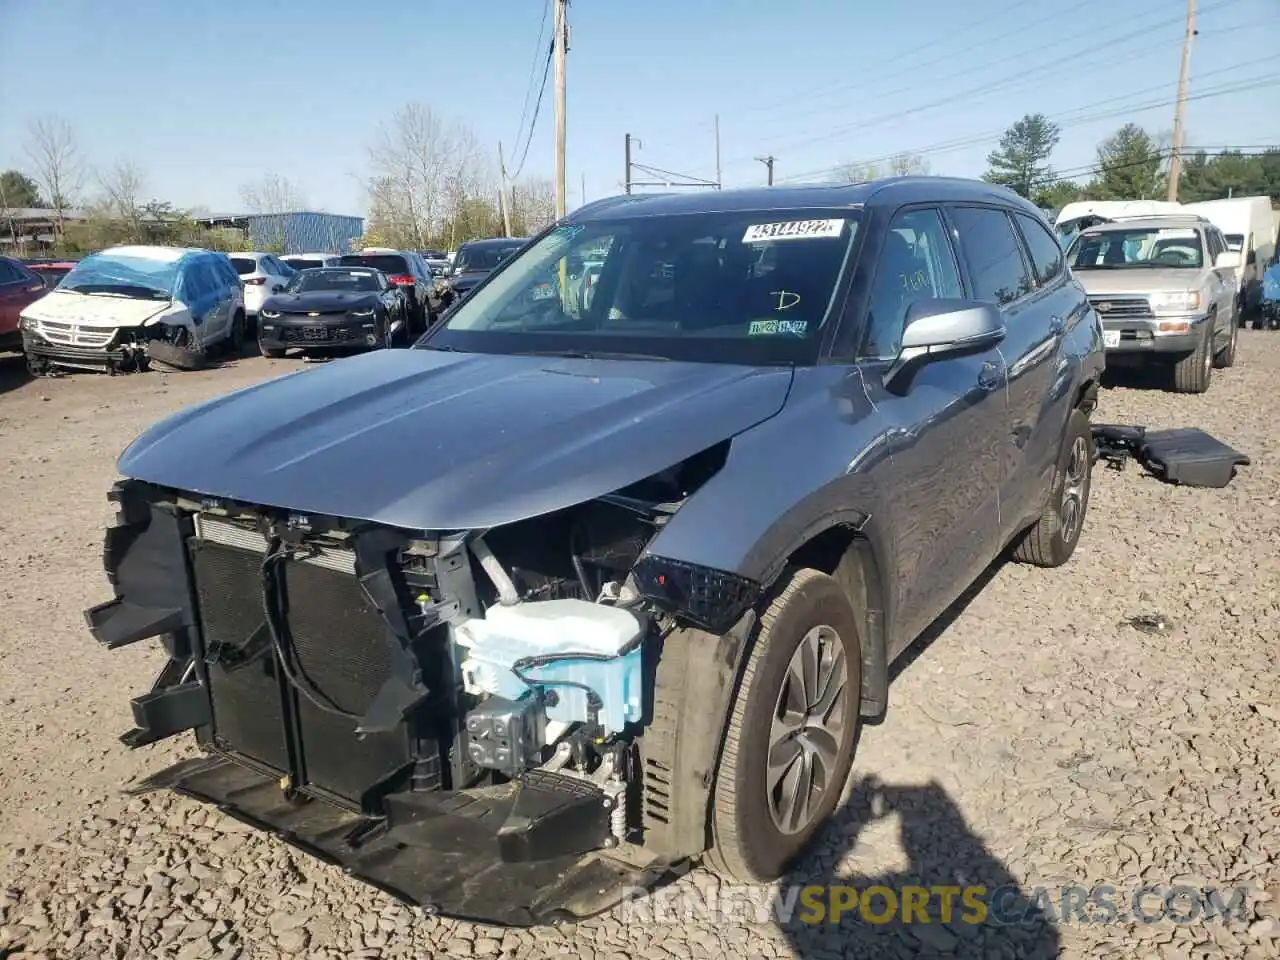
x,y
1035,739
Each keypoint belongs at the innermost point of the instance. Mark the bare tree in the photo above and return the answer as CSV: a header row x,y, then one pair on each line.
x,y
899,165
57,162
122,187
533,205
424,170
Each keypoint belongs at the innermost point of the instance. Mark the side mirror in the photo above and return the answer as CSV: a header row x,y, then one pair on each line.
x,y
944,327
1227,260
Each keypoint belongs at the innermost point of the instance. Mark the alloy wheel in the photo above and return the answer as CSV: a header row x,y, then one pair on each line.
x,y
808,724
1074,489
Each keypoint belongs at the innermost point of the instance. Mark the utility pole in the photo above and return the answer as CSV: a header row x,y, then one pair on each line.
x,y
503,205
768,164
719,179
584,191
561,48
627,149
1175,156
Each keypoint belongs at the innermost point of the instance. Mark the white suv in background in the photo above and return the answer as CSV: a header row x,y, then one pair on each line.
x,y
311,261
262,274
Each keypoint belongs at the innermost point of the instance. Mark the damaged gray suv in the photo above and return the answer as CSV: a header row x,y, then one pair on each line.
x,y
599,578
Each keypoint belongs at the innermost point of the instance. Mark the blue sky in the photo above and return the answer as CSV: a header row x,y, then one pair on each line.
x,y
207,96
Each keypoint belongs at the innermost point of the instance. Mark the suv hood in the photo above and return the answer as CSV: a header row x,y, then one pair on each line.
x,y
1138,280
428,440
95,309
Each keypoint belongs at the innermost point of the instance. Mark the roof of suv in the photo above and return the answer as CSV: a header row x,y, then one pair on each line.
x,y
1149,223
890,189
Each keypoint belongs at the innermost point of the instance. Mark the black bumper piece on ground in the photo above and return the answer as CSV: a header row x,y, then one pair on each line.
x,y
449,853
1184,456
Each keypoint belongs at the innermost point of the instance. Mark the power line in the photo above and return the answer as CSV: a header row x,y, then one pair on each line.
x,y
967,54
946,146
1063,118
533,73
537,108
1018,79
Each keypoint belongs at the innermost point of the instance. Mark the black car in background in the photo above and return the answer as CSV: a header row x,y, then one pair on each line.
x,y
334,307
475,260
407,270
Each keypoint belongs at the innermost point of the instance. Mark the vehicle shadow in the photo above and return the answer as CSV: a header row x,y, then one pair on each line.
x,y
13,372
1145,377
966,901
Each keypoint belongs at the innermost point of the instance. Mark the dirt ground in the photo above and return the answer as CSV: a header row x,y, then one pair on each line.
x,y
1035,738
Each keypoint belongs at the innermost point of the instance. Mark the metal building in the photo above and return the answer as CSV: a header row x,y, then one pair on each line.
x,y
301,232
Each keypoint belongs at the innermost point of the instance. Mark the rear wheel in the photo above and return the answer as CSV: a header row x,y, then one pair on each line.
x,y
1053,538
789,745
1192,373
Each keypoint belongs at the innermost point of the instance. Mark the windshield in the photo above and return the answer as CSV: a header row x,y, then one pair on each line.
x,y
471,259
309,281
727,287
1139,247
123,275
301,263
244,265
387,263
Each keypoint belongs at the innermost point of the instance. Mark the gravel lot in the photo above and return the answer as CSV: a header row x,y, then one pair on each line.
x,y
1035,738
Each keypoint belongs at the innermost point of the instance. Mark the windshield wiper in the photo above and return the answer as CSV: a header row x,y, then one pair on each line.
x,y
589,355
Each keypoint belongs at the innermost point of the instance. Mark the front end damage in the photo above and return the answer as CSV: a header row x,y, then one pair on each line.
x,y
457,717
51,345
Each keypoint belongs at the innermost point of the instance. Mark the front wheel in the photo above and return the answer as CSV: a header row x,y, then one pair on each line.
x,y
1053,538
789,746
1192,373
271,353
1226,357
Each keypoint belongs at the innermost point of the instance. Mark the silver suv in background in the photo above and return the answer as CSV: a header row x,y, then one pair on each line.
x,y
1164,287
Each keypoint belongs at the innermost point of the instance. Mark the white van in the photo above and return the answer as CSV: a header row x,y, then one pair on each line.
x,y
1248,226
1075,217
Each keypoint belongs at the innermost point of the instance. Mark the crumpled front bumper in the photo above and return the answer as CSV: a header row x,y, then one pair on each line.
x,y
441,851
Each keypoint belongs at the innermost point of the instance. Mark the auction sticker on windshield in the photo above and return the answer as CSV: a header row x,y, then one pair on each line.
x,y
793,230
774,327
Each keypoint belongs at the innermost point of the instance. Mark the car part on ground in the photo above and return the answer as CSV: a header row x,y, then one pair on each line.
x,y
582,587
1183,455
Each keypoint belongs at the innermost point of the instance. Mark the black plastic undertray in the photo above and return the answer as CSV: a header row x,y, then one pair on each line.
x,y
1185,455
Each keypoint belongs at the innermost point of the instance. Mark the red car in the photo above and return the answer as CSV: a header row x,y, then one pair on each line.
x,y
19,286
50,271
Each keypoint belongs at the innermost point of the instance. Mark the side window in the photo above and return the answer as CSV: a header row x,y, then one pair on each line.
x,y
1046,254
916,263
991,251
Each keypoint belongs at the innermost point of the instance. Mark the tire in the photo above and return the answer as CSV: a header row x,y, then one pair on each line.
x,y
1052,539
1226,357
175,356
1192,374
748,844
237,337
271,353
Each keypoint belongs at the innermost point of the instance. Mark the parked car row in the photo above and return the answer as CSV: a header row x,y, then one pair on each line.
x,y
125,308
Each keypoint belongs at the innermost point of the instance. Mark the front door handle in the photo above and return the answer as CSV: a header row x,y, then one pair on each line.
x,y
989,376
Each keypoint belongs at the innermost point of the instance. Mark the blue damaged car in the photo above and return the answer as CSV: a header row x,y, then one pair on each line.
x,y
597,580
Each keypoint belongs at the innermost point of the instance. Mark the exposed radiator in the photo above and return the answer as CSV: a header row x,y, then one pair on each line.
x,y
340,651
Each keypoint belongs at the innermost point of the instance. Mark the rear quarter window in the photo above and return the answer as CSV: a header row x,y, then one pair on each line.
x,y
1046,253
992,254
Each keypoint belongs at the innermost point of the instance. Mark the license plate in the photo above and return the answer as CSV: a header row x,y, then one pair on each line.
x,y
315,333
1110,338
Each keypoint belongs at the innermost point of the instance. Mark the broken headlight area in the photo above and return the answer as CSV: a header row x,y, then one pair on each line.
x,y
50,345
470,699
